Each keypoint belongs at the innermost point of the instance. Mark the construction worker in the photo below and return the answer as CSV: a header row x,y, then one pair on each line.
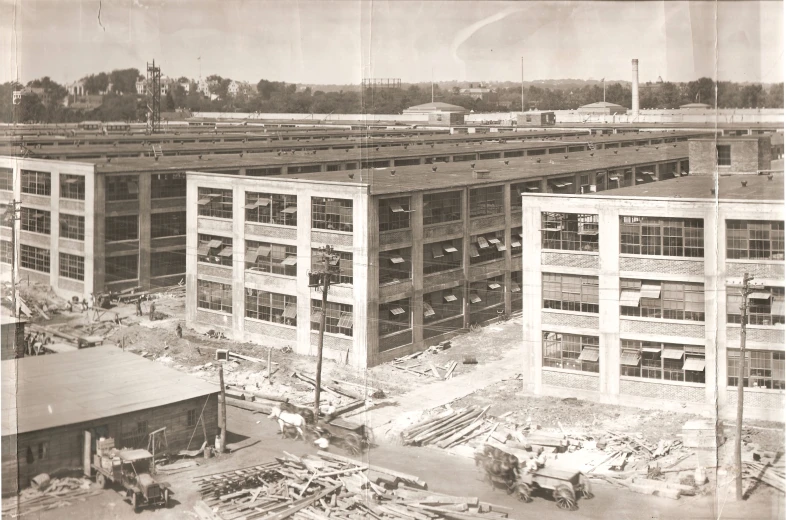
x,y
138,305
152,311
179,331
541,458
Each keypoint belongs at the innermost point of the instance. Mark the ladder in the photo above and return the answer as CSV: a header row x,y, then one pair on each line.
x,y
157,152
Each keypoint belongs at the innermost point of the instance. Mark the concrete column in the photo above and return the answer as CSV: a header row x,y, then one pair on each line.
x,y
54,231
304,292
416,225
192,241
238,262
364,309
532,347
145,204
714,308
507,205
465,259
608,294
95,200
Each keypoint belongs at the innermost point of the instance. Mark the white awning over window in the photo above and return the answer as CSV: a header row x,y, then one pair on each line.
x,y
501,246
213,244
650,291
396,208
696,364
263,251
290,311
448,247
251,256
630,298
396,260
760,295
651,349
630,358
227,251
673,353
591,354
778,308
473,251
514,287
428,310
290,260
494,240
345,322
289,210
450,297
482,243
515,243
474,298
203,249
396,310
494,285
204,201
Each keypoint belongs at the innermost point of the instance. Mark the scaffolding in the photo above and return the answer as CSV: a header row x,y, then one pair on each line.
x,y
381,83
153,98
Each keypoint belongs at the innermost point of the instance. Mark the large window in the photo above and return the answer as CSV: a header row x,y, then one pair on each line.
x,y
119,268
487,293
571,351
125,227
395,265
570,292
338,319
214,202
214,296
36,220
440,305
569,231
345,274
332,214
164,263
516,234
763,369
662,236
36,183
272,307
765,306
649,360
72,186
441,207
213,249
394,214
662,300
442,256
122,187
34,258
487,247
6,252
72,266
394,317
266,257
170,224
168,185
723,154
271,208
72,226
486,201
754,239
7,179
517,190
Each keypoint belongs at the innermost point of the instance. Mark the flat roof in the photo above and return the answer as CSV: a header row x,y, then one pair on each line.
x,y
758,188
459,174
43,392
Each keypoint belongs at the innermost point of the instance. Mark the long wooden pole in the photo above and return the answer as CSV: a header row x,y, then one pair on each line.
x,y
740,385
223,409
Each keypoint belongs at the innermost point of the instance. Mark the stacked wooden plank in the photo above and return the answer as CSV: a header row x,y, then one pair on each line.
x,y
449,428
773,476
426,368
58,493
319,486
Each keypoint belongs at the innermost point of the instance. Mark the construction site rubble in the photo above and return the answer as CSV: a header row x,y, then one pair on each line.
x,y
48,493
326,485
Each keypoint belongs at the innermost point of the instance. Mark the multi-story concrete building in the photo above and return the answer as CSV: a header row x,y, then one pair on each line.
x,y
633,297
426,250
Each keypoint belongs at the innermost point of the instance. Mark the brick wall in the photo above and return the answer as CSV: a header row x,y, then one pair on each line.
x,y
332,342
271,232
224,272
273,283
443,231
656,265
570,260
569,320
395,340
64,444
395,237
664,390
70,285
570,380
213,318
772,399
487,223
335,239
269,329
759,270
754,335
688,330
433,280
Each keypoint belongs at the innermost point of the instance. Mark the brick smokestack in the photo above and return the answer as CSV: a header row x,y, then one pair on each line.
x,y
635,88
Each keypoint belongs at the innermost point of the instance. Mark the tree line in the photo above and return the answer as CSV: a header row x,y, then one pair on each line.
x,y
121,102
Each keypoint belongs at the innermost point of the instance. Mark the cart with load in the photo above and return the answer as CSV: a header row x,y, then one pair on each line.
x,y
565,486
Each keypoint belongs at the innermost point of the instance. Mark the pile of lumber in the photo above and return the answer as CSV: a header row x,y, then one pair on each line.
x,y
427,368
324,485
57,493
450,428
773,476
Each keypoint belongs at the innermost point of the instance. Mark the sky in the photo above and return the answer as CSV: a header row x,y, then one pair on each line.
x,y
340,42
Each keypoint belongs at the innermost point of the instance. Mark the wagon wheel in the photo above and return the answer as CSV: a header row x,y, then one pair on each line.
x,y
525,492
586,491
166,498
353,443
134,501
565,498
101,480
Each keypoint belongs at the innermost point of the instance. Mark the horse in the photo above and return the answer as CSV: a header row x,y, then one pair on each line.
x,y
289,419
305,413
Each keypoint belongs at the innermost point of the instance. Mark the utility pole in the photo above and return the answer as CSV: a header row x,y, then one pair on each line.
x,y
522,83
222,410
746,290
320,277
9,217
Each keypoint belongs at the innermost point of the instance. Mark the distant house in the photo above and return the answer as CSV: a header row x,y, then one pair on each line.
x,y
535,118
603,108
141,84
234,88
77,88
186,86
482,93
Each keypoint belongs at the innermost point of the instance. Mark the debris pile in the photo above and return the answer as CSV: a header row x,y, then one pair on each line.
x,y
450,428
424,367
46,494
326,485
764,472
